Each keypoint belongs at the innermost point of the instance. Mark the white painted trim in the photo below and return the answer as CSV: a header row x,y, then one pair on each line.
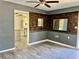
x,y
34,43
27,13
7,50
62,44
48,40
78,33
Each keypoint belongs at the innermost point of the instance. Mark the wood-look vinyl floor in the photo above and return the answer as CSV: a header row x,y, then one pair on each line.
x,y
42,51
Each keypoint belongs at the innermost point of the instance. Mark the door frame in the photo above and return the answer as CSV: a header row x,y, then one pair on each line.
x,y
27,29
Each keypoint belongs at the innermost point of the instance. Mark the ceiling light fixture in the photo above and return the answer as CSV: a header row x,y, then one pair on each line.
x,y
43,3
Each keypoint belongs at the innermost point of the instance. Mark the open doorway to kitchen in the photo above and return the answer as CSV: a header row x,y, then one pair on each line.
x,y
21,29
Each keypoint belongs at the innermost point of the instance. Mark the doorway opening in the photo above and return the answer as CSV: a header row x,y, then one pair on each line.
x,y
21,29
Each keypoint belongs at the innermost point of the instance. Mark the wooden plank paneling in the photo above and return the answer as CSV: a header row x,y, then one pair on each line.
x,y
48,21
34,22
72,20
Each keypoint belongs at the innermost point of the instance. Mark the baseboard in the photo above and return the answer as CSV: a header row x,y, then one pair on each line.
x,y
7,50
34,43
62,44
48,40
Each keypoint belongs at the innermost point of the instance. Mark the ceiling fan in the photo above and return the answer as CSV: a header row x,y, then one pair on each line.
x,y
43,3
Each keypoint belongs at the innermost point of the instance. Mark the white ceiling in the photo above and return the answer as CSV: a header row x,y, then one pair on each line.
x,y
54,6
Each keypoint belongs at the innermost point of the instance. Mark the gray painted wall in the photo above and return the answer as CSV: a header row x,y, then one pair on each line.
x,y
6,22
74,38
63,38
37,36
55,36
7,28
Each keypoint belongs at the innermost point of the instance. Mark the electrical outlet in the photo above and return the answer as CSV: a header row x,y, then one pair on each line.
x,y
56,36
68,37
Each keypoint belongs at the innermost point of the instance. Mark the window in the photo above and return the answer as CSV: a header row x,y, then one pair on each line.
x,y
40,21
60,24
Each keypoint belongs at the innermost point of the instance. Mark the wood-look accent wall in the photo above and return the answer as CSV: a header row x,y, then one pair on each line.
x,y
48,21
72,20
33,22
